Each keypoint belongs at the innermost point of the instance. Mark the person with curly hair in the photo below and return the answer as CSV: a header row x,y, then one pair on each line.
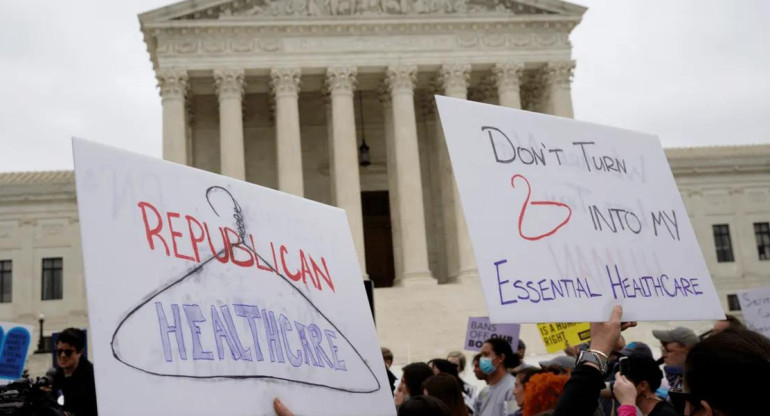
x,y
542,392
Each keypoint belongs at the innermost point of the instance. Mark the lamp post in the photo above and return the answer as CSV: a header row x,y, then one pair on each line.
x,y
41,341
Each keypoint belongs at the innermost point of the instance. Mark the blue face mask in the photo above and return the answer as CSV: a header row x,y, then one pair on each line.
x,y
486,366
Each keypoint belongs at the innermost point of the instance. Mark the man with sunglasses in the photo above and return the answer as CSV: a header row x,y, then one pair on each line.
x,y
75,376
675,344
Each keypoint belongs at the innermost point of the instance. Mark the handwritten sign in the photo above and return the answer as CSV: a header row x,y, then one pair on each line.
x,y
208,295
755,305
556,335
568,219
480,330
14,347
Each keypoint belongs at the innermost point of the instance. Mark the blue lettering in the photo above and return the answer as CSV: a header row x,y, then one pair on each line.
x,y
273,334
501,283
219,334
295,361
194,317
315,338
305,345
245,353
251,312
165,329
338,364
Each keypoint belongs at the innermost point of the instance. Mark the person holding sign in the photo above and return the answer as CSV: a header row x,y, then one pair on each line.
x,y
496,358
581,393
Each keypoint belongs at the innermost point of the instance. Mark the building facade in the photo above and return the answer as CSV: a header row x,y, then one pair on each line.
x,y
333,101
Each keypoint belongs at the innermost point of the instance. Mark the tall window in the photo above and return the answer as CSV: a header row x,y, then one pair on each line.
x,y
733,303
762,233
52,278
6,287
722,243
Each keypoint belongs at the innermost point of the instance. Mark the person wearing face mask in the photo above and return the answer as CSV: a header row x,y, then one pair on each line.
x,y
496,358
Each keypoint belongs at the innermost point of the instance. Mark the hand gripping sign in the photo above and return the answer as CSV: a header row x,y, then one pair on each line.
x,y
568,219
209,295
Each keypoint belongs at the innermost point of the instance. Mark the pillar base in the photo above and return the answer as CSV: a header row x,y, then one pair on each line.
x,y
416,279
466,275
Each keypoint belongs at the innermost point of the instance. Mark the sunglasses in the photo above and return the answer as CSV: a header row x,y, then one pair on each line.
x,y
679,400
66,352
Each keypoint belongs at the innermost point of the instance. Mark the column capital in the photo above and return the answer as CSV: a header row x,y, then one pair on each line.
x,y
507,75
559,74
341,79
401,78
172,82
229,82
285,81
453,78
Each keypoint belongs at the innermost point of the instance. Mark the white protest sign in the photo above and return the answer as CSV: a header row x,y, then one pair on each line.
x,y
755,305
568,219
15,340
208,295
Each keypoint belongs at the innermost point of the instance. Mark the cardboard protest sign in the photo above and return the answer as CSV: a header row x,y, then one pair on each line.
x,y
568,219
15,340
755,305
208,295
480,330
556,335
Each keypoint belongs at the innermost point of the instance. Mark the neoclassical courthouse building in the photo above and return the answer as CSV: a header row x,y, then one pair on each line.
x,y
332,100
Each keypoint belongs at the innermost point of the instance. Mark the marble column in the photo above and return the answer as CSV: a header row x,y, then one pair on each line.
x,y
230,85
173,89
346,186
558,77
460,260
507,77
414,245
285,85
390,153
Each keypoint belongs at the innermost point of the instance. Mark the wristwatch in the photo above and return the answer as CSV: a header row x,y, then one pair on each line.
x,y
590,356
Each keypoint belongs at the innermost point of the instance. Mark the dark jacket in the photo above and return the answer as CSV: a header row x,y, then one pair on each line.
x,y
581,393
79,389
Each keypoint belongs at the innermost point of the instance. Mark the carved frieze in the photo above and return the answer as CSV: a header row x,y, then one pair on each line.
x,y
356,38
314,8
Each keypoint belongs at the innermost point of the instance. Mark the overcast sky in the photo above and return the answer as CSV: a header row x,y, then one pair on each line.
x,y
694,72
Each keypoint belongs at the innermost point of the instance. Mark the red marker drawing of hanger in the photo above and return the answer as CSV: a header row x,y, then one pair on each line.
x,y
526,205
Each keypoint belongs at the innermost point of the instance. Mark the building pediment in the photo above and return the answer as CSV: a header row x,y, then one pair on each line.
x,y
263,9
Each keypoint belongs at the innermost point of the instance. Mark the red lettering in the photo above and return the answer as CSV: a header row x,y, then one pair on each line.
x,y
317,270
305,269
174,235
239,246
294,276
256,256
211,245
193,239
154,232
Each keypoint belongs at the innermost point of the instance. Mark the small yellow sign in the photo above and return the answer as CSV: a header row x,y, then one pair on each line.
x,y
556,335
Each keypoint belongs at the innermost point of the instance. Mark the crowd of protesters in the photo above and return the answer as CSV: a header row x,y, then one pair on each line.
x,y
706,375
